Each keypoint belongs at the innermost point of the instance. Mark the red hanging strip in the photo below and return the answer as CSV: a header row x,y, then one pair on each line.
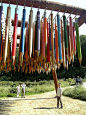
x,y
48,52
43,44
14,36
26,42
74,39
71,36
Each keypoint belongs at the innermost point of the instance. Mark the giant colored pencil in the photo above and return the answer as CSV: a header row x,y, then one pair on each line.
x,y
69,44
74,39
62,38
71,38
43,44
56,41
78,41
48,52
14,35
31,32
8,21
26,42
41,37
45,28
52,40
59,39
23,30
38,30
63,44
33,39
1,36
50,37
65,36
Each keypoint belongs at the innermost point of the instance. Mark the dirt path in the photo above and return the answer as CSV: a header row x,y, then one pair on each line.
x,y
41,104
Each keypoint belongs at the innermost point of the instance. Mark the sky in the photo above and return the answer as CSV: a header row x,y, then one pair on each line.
x,y
78,3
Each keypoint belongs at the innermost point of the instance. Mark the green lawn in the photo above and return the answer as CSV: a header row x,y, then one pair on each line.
x,y
8,88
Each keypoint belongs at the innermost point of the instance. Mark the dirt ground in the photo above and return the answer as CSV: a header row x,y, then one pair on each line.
x,y
41,104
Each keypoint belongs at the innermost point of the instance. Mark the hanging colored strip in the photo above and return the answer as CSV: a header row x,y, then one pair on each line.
x,y
56,40
54,45
52,40
8,21
45,28
62,38
26,42
48,52
50,37
1,36
65,36
63,44
59,39
23,30
33,49
43,44
69,44
41,37
14,35
71,37
78,41
74,38
38,30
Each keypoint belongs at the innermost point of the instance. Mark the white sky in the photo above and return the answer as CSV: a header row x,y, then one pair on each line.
x,y
78,3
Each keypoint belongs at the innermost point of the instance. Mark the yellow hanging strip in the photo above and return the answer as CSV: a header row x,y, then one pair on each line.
x,y
8,22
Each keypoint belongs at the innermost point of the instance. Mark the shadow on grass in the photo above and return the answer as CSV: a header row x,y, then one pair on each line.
x,y
5,106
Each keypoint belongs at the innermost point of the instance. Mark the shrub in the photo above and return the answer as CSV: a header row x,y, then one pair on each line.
x,y
77,92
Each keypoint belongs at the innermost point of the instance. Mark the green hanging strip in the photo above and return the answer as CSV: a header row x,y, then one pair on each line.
x,y
78,41
65,36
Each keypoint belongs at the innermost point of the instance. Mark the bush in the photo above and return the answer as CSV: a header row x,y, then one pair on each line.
x,y
78,92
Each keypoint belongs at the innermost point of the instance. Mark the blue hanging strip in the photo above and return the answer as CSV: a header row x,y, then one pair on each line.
x,y
59,39
1,9
22,32
38,30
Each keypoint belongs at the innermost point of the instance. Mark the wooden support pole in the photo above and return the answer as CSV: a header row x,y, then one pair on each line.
x,y
55,79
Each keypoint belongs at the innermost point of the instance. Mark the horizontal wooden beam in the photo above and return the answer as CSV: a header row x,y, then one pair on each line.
x,y
49,4
82,19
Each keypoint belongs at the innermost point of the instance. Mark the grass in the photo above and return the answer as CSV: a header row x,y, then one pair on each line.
x,y
8,88
77,92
